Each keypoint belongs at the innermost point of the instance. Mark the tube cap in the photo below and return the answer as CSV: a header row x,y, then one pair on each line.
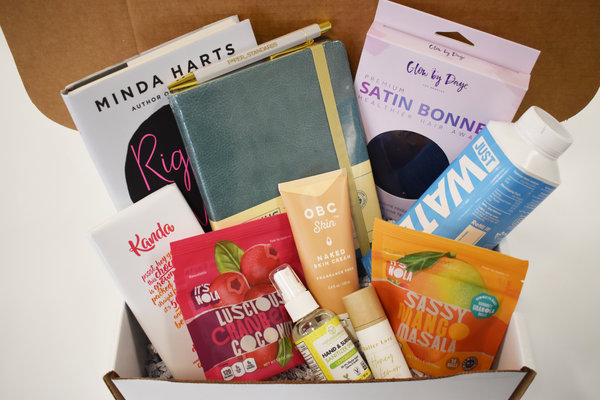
x,y
364,308
544,131
297,300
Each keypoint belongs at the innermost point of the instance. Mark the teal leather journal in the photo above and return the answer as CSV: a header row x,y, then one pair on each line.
x,y
276,121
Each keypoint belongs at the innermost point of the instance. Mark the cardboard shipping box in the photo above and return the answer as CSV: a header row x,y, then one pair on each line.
x,y
512,373
55,44
61,42
510,379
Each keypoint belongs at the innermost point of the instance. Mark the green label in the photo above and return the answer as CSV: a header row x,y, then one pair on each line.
x,y
484,306
333,351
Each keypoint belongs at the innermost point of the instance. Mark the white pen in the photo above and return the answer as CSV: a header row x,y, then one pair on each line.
x,y
258,53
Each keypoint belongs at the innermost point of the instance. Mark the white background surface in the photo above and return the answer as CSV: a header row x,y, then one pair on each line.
x,y
59,309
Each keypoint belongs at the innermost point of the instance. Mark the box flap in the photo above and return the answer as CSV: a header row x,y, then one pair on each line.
x,y
498,385
524,384
131,352
514,351
505,384
109,379
57,44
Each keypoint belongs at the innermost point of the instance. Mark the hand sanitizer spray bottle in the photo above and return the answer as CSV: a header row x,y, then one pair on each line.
x,y
318,333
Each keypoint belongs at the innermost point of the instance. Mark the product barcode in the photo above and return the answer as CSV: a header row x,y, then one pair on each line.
x,y
310,361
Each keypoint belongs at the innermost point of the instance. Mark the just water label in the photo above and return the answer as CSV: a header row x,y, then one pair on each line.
x,y
480,198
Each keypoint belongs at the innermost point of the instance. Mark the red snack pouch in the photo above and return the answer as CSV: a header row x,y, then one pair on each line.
x,y
236,318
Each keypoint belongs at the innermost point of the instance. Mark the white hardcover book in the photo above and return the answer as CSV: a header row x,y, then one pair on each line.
x,y
135,248
127,125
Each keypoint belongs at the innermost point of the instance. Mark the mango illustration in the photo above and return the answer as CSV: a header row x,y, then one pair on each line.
x,y
443,277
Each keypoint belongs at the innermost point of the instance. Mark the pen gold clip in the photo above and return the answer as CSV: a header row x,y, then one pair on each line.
x,y
286,44
292,50
185,82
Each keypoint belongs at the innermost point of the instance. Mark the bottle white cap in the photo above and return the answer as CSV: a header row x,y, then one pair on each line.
x,y
298,301
544,132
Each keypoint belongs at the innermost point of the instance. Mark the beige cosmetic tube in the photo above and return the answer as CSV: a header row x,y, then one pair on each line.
x,y
318,208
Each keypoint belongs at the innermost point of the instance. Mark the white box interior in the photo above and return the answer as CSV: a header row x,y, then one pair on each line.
x,y
512,373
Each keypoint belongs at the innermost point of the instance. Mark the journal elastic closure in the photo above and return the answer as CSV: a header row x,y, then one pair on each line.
x,y
339,143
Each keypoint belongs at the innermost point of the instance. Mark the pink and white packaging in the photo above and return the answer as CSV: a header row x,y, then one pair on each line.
x,y
424,96
135,248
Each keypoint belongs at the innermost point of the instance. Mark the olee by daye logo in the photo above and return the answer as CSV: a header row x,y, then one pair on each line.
x,y
437,77
146,244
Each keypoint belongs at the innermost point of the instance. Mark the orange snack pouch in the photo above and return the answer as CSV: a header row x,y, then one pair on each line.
x,y
449,303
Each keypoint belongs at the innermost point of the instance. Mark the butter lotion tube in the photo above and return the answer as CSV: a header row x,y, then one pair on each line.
x,y
380,347
318,208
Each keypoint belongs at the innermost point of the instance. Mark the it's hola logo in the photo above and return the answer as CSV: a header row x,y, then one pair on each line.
x,y
145,244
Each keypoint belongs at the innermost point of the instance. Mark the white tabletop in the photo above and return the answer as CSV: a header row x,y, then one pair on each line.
x,y
60,310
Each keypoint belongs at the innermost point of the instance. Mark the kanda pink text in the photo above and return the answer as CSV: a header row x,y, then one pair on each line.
x,y
149,243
